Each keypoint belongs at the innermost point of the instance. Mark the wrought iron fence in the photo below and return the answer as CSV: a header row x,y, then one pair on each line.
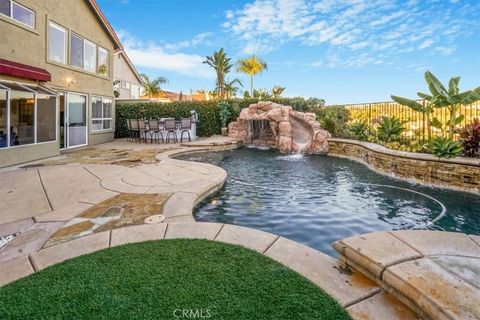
x,y
415,122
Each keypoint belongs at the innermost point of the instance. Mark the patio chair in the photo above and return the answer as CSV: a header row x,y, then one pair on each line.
x,y
154,130
135,129
171,128
142,126
186,126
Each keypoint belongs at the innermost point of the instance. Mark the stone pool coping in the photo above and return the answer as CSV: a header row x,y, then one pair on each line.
x,y
435,273
462,174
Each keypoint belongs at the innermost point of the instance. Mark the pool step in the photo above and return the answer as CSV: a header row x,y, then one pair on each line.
x,y
435,273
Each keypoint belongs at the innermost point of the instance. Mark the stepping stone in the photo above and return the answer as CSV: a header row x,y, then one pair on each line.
x,y
371,253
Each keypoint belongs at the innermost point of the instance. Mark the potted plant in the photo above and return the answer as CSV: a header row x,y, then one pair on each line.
x,y
225,113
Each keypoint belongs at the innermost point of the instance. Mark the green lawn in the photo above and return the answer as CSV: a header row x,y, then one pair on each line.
x,y
159,279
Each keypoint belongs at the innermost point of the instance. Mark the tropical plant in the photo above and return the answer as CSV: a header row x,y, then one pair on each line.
x,y
426,109
390,129
231,88
225,112
221,64
152,87
251,66
444,147
246,95
360,130
470,139
261,94
277,91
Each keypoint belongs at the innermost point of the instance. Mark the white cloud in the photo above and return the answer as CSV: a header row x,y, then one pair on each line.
x,y
356,27
151,55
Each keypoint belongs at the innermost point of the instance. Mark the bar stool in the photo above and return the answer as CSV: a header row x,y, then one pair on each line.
x,y
186,126
171,128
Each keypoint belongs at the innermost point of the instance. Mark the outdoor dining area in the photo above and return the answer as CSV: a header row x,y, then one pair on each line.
x,y
163,130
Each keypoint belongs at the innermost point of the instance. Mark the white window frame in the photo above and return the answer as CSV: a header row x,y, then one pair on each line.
x,y
95,54
11,14
35,106
65,43
73,34
102,118
99,49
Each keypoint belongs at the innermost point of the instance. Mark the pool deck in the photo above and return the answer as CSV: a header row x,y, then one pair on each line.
x,y
74,204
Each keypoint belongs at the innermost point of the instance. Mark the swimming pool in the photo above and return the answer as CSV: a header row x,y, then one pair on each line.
x,y
316,200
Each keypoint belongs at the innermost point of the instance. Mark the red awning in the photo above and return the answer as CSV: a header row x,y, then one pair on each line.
x,y
24,71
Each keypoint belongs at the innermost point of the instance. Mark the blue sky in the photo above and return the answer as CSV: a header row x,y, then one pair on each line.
x,y
345,51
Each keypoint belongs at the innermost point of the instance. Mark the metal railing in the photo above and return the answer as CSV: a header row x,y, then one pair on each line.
x,y
415,122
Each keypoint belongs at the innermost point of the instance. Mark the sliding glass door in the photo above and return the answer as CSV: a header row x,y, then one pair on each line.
x,y
74,129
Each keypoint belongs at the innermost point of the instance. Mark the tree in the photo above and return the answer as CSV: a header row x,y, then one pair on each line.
x,y
221,64
277,91
152,87
440,97
251,66
231,89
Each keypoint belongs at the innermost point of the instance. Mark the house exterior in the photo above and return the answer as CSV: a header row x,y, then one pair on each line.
x,y
128,84
56,76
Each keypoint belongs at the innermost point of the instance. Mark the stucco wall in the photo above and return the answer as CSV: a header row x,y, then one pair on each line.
x,y
123,72
29,46
459,173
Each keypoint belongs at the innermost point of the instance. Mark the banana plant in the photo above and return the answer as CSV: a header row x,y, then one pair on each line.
x,y
422,108
452,99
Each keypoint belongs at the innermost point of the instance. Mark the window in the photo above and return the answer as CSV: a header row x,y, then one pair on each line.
x,y
27,114
57,43
22,116
17,12
90,53
134,91
46,118
103,61
83,53
76,51
101,113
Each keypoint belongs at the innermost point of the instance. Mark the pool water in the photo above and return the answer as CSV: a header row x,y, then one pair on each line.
x,y
316,200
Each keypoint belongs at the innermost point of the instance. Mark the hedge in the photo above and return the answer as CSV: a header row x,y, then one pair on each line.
x,y
208,112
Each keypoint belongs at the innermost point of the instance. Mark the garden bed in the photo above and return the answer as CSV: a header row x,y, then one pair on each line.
x,y
454,173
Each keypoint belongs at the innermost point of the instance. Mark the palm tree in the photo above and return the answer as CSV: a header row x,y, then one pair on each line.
x,y
251,66
277,91
231,89
221,64
152,87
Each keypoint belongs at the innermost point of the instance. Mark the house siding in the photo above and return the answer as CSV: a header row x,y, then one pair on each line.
x,y
29,46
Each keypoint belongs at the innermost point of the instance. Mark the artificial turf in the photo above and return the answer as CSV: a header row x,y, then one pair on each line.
x,y
153,280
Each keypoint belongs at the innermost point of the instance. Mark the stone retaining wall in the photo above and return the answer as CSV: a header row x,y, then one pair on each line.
x,y
461,174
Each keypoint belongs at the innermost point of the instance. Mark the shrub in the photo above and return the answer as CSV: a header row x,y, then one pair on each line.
x,y
225,113
360,130
390,129
470,139
444,147
208,114
334,119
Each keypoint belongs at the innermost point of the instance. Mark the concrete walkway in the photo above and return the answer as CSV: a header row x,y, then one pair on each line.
x,y
38,201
